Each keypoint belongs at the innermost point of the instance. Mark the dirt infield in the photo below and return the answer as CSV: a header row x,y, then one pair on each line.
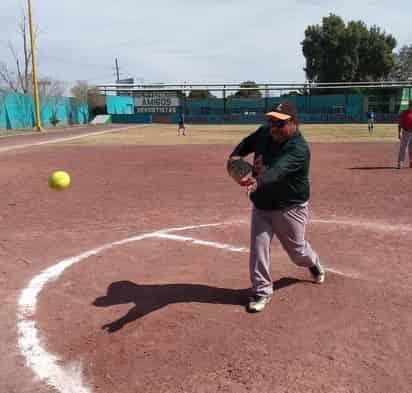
x,y
135,278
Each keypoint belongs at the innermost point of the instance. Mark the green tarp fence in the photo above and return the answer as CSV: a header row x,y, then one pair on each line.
x,y
17,111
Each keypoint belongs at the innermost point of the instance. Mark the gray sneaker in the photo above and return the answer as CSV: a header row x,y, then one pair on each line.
x,y
258,303
317,272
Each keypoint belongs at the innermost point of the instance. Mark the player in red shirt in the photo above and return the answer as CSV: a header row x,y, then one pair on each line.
x,y
405,135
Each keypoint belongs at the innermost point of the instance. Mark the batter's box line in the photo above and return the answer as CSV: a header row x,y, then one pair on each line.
x,y
370,225
48,367
201,242
229,247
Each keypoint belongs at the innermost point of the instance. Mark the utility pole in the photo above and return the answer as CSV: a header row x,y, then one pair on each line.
x,y
34,71
117,71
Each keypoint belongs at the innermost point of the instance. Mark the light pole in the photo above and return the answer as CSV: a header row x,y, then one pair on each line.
x,y
34,72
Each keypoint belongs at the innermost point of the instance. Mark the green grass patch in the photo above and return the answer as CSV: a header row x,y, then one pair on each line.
x,y
330,133
166,134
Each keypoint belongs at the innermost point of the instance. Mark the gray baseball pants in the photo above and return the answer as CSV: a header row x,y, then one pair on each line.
x,y
289,227
406,142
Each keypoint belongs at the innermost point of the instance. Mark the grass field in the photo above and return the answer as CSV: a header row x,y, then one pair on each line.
x,y
166,134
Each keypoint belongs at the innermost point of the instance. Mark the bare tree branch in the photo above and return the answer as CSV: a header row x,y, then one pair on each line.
x,y
26,52
85,97
2,100
19,81
7,78
19,71
52,92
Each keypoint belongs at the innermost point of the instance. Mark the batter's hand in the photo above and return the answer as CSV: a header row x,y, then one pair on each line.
x,y
247,180
252,186
258,166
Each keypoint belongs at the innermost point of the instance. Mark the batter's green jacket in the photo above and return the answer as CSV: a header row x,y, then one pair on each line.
x,y
286,179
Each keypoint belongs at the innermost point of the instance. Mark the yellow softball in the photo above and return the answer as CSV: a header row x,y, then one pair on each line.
x,y
59,180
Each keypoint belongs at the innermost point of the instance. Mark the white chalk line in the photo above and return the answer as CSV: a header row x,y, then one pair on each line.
x,y
369,225
17,134
237,249
373,226
46,366
69,379
58,140
202,242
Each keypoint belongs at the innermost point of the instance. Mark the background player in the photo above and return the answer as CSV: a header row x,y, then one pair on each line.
x,y
371,121
405,135
181,129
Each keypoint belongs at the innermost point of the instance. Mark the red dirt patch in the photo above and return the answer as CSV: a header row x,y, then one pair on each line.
x,y
186,328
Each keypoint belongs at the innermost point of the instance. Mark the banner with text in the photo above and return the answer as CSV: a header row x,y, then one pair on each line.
x,y
156,102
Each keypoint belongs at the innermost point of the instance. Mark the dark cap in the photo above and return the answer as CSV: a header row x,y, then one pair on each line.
x,y
283,111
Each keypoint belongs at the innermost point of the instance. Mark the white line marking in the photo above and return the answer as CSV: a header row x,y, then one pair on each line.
x,y
374,226
202,242
340,273
218,224
58,140
13,135
47,367
237,249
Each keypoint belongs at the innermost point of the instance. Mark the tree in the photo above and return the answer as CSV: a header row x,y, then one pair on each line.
x,y
252,92
376,57
19,80
336,52
2,101
402,70
51,92
82,94
200,95
79,92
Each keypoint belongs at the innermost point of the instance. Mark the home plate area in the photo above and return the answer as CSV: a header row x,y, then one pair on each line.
x,y
164,312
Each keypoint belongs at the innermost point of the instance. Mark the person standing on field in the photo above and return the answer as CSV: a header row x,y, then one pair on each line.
x,y
405,136
181,129
371,121
279,191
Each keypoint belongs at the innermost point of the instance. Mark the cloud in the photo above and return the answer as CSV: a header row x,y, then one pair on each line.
x,y
192,40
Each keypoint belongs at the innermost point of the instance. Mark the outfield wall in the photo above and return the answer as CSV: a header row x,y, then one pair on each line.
x,y
17,111
349,108
338,108
133,118
350,105
119,105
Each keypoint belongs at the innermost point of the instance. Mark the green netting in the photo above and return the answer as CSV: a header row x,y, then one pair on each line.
x,y
17,111
406,97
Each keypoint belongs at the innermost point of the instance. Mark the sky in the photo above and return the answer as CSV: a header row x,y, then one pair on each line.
x,y
179,41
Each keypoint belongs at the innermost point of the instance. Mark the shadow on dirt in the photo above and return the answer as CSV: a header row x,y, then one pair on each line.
x,y
371,168
148,298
